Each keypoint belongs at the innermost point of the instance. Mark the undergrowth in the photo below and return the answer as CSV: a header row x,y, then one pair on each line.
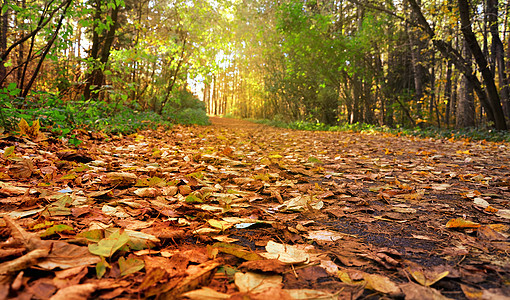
x,y
62,118
433,132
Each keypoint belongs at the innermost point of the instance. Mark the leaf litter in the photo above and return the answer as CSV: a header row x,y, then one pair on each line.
x,y
245,211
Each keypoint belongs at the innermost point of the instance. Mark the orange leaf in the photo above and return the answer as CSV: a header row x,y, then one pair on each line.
x,y
461,223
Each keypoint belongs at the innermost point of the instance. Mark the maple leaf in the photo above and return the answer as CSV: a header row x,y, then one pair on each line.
x,y
21,169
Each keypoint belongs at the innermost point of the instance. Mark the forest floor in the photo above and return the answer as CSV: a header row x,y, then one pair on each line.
x,y
238,210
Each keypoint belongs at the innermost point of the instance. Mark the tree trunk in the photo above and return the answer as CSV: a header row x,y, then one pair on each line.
x,y
46,50
466,104
4,19
448,93
94,51
498,54
171,83
506,104
481,61
416,61
96,78
21,53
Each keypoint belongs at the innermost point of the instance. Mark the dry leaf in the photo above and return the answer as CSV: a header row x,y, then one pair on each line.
x,y
75,292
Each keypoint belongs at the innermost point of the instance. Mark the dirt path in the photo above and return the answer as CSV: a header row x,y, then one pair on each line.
x,y
357,215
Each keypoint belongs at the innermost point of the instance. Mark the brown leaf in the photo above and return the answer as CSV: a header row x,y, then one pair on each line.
x,y
75,292
121,179
198,276
266,265
487,233
415,291
21,169
77,156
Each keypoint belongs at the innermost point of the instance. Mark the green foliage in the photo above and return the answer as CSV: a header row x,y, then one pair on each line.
x,y
63,117
186,108
304,80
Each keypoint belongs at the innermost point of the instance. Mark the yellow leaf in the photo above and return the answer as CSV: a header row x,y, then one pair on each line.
x,y
9,152
461,223
381,284
425,280
463,152
346,278
23,127
221,225
29,131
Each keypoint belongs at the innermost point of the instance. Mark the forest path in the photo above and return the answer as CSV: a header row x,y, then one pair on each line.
x,y
313,214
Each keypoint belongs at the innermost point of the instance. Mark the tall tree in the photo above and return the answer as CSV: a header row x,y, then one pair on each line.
x,y
494,103
103,35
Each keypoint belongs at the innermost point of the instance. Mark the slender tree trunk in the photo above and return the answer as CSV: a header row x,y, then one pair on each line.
x,y
214,98
171,83
46,50
416,61
507,103
498,54
4,19
94,51
98,79
21,53
448,93
481,61
466,105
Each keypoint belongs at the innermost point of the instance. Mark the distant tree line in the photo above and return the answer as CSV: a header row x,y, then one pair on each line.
x,y
393,63
411,63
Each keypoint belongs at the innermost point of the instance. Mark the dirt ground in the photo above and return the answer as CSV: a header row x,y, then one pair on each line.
x,y
239,210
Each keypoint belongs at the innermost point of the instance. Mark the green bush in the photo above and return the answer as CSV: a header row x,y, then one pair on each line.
x,y
63,117
186,108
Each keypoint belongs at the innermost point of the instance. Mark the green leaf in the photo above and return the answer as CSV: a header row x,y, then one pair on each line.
x,y
101,267
9,152
56,229
193,199
94,235
312,159
108,246
130,265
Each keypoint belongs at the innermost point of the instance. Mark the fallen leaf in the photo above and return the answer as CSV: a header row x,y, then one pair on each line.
x,y
381,284
130,265
121,179
428,278
75,292
461,223
21,169
109,245
324,235
205,293
237,250
253,282
56,229
413,291
285,253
